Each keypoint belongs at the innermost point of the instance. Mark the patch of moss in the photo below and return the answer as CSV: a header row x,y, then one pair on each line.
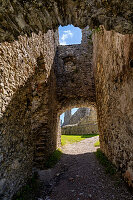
x,y
53,158
109,167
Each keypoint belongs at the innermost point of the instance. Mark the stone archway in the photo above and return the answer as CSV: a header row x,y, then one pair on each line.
x,y
31,81
71,83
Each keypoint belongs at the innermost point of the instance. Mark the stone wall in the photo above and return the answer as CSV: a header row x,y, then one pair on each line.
x,y
79,115
74,76
45,118
39,81
86,125
113,57
76,117
25,67
32,98
20,17
78,129
67,117
90,118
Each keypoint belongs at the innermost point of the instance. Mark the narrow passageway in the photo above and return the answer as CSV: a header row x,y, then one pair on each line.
x,y
79,176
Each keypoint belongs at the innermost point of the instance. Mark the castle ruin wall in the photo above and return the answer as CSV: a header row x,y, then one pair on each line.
x,y
75,85
25,67
113,70
40,80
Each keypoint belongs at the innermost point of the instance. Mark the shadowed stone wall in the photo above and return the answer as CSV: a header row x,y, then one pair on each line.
x,y
71,82
39,81
31,102
113,55
25,67
24,17
74,76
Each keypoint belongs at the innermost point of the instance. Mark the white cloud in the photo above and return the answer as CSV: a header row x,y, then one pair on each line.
x,y
63,43
65,36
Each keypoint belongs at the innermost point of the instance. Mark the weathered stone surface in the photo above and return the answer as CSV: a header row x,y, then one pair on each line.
x,y
19,70
78,129
2,186
67,117
32,98
83,121
71,82
24,17
74,76
77,116
40,80
113,53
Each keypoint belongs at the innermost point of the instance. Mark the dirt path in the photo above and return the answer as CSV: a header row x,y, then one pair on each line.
x,y
79,176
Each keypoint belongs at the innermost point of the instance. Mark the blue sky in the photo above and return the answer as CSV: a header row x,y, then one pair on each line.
x,y
69,35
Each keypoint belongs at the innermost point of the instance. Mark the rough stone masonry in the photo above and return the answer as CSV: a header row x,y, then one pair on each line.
x,y
40,79
25,16
83,121
113,71
24,69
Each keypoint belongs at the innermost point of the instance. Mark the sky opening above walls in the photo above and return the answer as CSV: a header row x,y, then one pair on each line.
x,y
69,35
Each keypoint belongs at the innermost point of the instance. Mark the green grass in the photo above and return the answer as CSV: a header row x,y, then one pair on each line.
x,y
97,144
69,139
53,158
109,167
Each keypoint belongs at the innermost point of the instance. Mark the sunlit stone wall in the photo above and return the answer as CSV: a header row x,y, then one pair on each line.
x,y
113,55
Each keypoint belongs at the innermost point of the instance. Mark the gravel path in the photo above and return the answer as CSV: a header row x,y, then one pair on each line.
x,y
79,176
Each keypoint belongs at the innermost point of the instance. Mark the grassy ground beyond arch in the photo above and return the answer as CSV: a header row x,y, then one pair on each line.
x,y
69,139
